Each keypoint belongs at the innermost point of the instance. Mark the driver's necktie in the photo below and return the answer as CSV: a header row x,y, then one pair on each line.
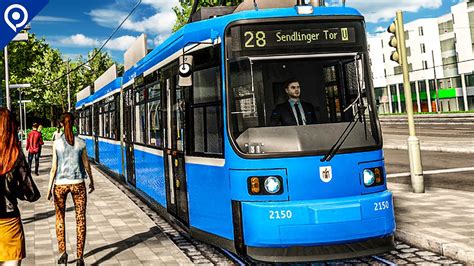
x,y
298,114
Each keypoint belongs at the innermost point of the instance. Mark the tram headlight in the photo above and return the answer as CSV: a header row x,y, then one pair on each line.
x,y
369,177
272,184
373,176
265,185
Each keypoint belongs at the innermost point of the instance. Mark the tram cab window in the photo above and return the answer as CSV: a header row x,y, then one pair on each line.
x,y
332,92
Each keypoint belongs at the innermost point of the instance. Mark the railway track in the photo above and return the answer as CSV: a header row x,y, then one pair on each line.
x,y
384,261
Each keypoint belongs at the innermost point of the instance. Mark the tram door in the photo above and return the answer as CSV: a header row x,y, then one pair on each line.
x,y
176,188
95,131
128,135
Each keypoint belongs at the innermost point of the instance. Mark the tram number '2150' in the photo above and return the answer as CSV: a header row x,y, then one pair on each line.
x,y
380,206
280,214
253,39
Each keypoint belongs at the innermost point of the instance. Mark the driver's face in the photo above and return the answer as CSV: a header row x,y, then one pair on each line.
x,y
293,90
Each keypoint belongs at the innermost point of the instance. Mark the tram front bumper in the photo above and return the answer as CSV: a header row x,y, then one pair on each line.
x,y
318,222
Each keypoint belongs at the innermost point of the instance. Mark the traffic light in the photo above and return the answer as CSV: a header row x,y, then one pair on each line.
x,y
394,42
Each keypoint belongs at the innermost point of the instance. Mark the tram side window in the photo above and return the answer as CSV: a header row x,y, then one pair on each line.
x,y
106,120
140,119
88,121
206,112
82,120
109,118
113,118
101,121
154,114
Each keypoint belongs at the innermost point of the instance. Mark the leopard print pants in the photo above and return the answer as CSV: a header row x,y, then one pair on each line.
x,y
79,197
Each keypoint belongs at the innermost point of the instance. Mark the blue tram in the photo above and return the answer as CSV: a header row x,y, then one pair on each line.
x,y
198,139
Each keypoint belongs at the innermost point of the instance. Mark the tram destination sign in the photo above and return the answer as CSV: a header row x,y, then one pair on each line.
x,y
293,36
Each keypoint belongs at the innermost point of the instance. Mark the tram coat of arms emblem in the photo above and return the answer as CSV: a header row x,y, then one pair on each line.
x,y
325,173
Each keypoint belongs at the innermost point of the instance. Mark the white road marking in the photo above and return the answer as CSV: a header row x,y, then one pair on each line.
x,y
440,171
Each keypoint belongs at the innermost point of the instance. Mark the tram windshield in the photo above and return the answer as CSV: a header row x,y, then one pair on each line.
x,y
301,104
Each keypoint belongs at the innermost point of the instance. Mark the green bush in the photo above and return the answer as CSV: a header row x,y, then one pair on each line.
x,y
48,132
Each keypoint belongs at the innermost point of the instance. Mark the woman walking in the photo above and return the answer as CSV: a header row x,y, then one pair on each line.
x,y
57,134
15,183
68,172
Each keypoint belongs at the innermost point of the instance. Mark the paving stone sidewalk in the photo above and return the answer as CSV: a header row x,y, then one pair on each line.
x,y
118,232
440,220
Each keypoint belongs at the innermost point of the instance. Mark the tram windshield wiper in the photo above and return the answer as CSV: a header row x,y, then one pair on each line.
x,y
338,144
360,115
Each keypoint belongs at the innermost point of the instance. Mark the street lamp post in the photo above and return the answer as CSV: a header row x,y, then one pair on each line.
x,y
18,38
24,102
68,89
7,89
20,86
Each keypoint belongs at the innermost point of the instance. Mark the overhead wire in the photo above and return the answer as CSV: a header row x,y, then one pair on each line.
x,y
98,51
428,68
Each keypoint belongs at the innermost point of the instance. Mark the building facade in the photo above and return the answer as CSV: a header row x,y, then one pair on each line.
x,y
440,60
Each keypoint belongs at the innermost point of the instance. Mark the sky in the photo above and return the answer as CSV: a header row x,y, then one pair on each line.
x,y
76,26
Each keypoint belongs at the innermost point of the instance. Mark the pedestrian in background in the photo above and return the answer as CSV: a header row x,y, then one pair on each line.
x,y
68,174
20,136
58,133
40,130
15,183
33,146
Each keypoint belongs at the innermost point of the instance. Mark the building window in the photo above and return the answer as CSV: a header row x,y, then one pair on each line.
x,y
422,48
445,27
408,51
450,61
420,31
397,70
471,25
470,80
407,35
424,64
447,45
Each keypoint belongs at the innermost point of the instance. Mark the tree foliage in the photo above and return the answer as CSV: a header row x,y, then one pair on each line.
x,y
46,69
183,11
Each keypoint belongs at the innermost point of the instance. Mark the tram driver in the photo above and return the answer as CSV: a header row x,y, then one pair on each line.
x,y
293,111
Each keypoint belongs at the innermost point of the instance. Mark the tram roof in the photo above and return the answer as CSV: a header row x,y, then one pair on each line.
x,y
106,91
213,28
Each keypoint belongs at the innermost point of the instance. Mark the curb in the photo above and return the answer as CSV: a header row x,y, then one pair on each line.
x,y
430,148
404,122
456,251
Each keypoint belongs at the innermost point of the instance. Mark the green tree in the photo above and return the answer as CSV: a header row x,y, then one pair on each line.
x,y
21,55
48,90
35,62
99,62
183,11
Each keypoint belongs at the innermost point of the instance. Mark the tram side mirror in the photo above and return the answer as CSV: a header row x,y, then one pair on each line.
x,y
185,71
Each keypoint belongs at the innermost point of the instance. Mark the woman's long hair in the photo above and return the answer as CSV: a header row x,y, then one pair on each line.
x,y
9,149
67,119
